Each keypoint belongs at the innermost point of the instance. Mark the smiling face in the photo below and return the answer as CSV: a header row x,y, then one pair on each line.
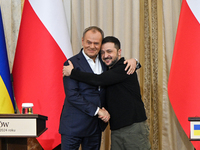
x,y
109,54
91,43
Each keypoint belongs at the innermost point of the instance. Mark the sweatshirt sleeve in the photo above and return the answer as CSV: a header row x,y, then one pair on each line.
x,y
106,78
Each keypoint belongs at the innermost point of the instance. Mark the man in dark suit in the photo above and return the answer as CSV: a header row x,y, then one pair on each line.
x,y
84,104
79,122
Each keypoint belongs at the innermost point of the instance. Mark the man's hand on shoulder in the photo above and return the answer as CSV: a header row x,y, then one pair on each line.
x,y
131,65
68,69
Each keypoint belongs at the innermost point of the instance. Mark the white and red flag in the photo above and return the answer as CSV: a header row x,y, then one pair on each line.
x,y
184,78
42,48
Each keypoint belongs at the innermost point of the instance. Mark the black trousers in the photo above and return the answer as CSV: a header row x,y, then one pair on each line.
x,y
92,142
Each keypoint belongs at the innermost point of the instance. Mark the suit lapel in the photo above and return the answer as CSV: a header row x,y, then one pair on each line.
x,y
83,63
104,67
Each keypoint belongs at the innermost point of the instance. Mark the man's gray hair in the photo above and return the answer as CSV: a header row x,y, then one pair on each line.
x,y
94,29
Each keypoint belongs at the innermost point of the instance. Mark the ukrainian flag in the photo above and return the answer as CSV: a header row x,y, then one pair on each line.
x,y
6,92
197,130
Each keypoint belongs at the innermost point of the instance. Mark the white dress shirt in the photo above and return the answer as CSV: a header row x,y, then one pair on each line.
x,y
96,68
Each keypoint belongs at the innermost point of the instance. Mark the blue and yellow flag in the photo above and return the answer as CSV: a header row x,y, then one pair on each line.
x,y
6,92
197,129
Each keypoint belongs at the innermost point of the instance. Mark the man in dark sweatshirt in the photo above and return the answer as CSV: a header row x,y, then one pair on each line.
x,y
128,125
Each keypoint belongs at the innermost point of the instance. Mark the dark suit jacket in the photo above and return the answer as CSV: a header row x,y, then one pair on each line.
x,y
81,103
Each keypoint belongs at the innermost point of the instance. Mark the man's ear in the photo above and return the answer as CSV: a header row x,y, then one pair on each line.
x,y
119,52
82,41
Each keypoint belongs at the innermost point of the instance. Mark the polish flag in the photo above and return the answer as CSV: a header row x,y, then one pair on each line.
x,y
42,48
184,78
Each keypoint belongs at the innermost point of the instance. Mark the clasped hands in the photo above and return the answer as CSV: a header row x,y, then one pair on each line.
x,y
103,114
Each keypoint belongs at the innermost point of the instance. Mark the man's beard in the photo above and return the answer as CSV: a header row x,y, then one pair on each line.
x,y
113,62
